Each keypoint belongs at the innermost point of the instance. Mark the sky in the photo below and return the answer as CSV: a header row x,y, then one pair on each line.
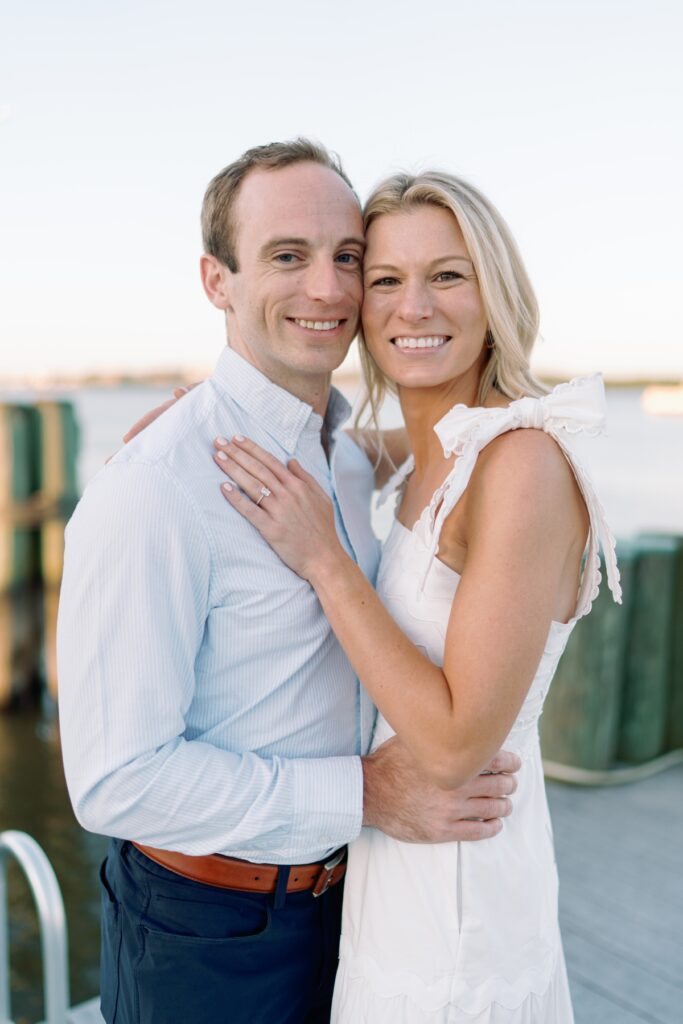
x,y
114,117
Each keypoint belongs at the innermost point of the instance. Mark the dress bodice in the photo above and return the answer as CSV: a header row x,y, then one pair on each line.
x,y
418,589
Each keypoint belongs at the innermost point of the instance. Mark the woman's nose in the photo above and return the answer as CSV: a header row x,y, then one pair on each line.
x,y
415,304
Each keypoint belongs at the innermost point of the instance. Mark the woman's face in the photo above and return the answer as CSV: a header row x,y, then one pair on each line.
x,y
423,318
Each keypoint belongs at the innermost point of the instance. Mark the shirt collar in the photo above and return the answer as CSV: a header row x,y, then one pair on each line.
x,y
284,416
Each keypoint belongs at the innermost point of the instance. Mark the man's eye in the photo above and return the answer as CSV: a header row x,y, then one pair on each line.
x,y
286,257
349,259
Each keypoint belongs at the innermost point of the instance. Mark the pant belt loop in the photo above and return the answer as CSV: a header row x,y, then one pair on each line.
x,y
281,887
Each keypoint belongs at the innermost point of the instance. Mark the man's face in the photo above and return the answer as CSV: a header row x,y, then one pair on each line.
x,y
293,305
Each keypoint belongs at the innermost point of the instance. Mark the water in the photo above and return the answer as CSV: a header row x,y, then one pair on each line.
x,y
638,471
33,799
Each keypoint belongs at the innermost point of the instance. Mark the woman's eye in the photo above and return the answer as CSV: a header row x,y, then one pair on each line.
x,y
450,275
384,282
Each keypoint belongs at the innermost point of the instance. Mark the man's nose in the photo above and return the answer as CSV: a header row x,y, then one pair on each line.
x,y
323,282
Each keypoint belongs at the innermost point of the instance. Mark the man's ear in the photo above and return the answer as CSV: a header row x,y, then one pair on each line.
x,y
216,281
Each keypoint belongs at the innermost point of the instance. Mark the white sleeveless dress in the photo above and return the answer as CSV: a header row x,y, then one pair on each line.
x,y
468,932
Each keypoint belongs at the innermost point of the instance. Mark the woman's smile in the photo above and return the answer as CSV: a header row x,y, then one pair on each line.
x,y
428,343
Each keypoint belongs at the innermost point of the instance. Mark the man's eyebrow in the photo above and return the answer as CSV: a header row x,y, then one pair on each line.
x,y
353,240
277,243
305,243
440,259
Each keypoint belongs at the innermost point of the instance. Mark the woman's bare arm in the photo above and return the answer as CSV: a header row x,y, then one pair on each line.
x,y
521,528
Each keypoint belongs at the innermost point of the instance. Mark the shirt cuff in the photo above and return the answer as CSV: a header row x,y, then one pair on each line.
x,y
328,805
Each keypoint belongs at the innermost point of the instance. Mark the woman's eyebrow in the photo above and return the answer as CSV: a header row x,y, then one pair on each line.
x,y
440,259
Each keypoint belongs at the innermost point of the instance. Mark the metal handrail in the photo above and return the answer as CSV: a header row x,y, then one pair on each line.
x,y
52,920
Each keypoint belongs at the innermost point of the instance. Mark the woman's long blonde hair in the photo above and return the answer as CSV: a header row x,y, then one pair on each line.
x,y
506,292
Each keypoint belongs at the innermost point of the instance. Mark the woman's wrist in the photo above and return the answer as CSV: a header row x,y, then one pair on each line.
x,y
332,565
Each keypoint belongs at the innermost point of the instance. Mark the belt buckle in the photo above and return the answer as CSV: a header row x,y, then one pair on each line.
x,y
327,871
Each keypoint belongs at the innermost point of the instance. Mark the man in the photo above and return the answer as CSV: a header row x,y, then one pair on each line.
x,y
210,722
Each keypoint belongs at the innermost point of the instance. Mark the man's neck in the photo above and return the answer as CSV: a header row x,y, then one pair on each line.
x,y
312,389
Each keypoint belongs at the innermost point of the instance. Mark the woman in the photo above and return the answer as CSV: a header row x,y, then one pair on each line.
x,y
476,598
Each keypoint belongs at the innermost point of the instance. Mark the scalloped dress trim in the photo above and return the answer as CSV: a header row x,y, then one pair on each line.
x,y
449,990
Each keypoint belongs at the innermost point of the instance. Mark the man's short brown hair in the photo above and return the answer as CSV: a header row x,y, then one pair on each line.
x,y
218,227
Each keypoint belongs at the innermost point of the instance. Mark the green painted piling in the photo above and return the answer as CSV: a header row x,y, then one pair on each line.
x,y
56,458
17,534
580,721
674,727
645,704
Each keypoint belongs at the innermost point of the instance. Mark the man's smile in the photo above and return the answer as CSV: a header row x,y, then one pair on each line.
x,y
324,326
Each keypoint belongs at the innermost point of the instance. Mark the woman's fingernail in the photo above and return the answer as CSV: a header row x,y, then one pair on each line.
x,y
227,487
221,440
238,437
222,456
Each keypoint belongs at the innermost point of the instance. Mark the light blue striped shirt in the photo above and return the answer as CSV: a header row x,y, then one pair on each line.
x,y
205,703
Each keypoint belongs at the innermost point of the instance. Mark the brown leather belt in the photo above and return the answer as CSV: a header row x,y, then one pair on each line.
x,y
242,875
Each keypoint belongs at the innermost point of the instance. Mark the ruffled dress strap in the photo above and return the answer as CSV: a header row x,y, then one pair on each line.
x,y
572,408
396,480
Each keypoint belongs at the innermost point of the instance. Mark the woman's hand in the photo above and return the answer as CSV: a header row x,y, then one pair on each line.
x,y
285,504
153,414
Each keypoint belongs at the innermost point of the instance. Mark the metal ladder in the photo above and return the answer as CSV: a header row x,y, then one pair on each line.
x,y
53,932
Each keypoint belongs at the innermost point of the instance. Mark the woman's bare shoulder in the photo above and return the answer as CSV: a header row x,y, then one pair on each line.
x,y
526,473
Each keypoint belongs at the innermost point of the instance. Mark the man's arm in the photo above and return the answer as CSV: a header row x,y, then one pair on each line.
x,y
135,599
399,800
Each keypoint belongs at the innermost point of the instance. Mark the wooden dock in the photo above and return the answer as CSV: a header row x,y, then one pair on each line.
x,y
620,859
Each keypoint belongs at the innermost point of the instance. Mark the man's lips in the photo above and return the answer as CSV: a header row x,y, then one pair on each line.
x,y
413,343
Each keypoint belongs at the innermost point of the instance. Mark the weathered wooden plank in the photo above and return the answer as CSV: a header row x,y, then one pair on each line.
x,y
639,943
621,901
592,1007
622,982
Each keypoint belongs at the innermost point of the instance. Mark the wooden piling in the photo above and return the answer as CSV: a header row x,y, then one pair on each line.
x,y
645,703
56,457
674,726
17,532
580,721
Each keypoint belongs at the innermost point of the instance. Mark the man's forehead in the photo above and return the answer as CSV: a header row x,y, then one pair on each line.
x,y
296,195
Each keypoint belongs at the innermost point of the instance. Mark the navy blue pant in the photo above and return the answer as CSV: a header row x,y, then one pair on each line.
x,y
180,952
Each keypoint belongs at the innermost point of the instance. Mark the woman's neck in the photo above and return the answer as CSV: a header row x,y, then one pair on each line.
x,y
422,409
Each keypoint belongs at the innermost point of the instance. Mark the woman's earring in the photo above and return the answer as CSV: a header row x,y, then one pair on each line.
x,y
489,340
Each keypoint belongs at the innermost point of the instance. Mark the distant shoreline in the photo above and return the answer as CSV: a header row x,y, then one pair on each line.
x,y
170,378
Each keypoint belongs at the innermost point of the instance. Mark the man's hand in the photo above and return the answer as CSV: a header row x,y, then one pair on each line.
x,y
400,802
